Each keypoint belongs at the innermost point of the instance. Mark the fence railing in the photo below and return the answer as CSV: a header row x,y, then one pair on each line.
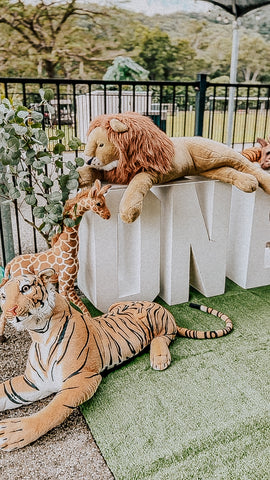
x,y
178,108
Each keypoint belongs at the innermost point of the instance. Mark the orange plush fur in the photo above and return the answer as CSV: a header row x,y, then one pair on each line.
x,y
69,352
128,148
140,148
259,154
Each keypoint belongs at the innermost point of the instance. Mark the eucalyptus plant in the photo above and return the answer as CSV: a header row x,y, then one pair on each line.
x,y
31,174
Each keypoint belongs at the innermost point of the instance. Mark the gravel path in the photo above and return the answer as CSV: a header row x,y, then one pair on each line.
x,y
67,452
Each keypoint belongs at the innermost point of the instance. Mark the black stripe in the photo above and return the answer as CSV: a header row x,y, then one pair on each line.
x,y
68,388
100,354
14,396
67,344
52,368
128,322
195,305
62,334
58,339
10,397
87,338
31,384
39,357
79,369
35,370
43,329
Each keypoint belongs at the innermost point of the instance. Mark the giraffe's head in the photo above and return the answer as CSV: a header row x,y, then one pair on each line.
x,y
89,199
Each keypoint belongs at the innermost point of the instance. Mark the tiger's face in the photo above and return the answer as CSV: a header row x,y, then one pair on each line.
x,y
27,300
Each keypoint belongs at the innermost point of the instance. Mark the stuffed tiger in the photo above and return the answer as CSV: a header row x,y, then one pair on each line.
x,y
259,154
253,154
68,353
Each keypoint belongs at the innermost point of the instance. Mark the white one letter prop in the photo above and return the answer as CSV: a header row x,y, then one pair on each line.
x,y
120,261
249,248
195,216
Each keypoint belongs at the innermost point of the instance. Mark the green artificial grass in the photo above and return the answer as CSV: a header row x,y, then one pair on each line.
x,y
207,416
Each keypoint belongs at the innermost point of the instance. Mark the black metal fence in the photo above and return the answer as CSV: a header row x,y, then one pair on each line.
x,y
178,108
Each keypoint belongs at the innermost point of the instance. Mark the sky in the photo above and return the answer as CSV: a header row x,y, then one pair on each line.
x,y
151,7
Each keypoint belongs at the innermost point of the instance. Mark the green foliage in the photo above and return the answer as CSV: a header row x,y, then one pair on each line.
x,y
124,68
157,54
29,174
53,38
166,58
81,39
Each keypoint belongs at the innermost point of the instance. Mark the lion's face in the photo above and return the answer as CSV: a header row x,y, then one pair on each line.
x,y
122,145
99,151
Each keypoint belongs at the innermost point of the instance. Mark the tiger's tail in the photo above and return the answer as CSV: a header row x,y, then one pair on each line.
x,y
198,334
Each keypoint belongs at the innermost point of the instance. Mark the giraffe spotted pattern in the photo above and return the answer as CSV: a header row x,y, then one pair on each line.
x,y
63,256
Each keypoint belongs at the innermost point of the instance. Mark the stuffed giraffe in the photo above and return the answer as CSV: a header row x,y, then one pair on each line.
x,y
63,255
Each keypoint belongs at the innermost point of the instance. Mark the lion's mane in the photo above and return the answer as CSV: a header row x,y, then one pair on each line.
x,y
144,147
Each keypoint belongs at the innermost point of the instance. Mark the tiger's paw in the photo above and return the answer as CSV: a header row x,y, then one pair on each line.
x,y
15,433
160,362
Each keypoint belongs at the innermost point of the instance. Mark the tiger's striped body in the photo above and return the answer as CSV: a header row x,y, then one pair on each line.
x,y
259,154
253,154
69,352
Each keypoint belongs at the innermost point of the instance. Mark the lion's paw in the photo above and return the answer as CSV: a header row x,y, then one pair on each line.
x,y
265,182
87,176
247,183
129,215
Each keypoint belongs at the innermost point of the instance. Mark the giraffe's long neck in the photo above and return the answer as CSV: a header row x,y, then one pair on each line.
x,y
68,240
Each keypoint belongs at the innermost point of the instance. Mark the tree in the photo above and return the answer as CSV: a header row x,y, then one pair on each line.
x,y
80,40
165,59
50,33
156,54
124,68
254,59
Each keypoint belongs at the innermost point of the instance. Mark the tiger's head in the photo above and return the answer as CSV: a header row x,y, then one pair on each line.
x,y
27,301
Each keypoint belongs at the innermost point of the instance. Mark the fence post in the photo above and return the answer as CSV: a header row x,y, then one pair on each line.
x,y
7,241
200,103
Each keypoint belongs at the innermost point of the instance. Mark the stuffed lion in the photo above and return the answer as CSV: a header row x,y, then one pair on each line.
x,y
128,148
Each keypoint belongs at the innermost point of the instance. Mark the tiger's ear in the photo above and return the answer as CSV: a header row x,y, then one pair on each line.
x,y
262,142
45,275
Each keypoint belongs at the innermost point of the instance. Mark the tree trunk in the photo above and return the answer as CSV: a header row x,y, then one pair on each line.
x,y
50,68
81,70
39,68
